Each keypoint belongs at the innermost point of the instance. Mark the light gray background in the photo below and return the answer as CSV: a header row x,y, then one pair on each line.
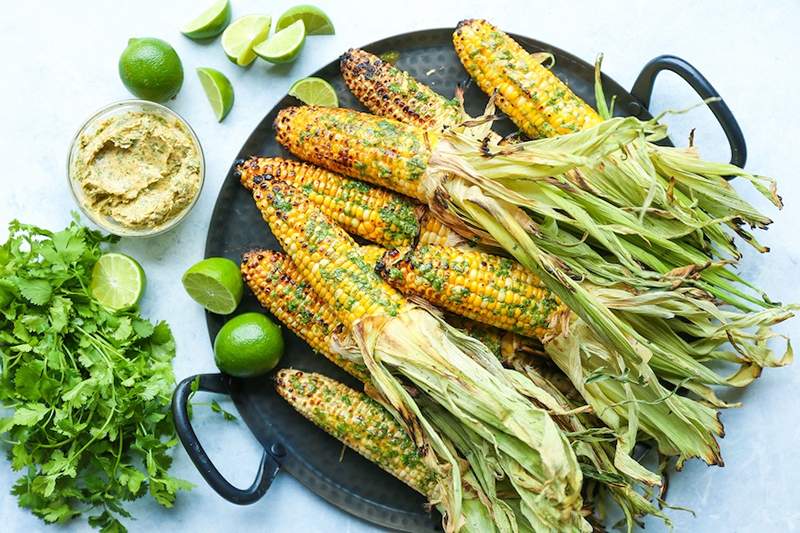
x,y
58,63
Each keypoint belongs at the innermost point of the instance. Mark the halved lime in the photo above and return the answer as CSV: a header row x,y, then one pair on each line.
x,y
284,46
210,22
215,283
117,281
248,345
239,38
218,89
314,91
315,20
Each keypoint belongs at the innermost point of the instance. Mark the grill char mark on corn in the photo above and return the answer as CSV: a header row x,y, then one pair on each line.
x,y
325,255
281,290
490,289
533,97
357,421
359,145
390,92
362,209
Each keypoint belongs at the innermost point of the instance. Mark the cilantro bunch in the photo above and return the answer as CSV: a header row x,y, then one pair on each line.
x,y
87,390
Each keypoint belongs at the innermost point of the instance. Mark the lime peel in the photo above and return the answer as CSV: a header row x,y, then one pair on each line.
x,y
285,45
315,20
215,283
314,91
248,345
218,89
210,22
239,39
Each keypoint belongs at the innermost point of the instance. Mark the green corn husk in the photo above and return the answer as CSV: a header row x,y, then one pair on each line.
x,y
476,392
483,493
458,372
593,446
647,277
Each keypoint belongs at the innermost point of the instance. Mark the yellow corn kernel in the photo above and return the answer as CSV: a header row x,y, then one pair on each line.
x,y
498,291
379,150
277,285
533,97
359,422
390,92
362,209
341,277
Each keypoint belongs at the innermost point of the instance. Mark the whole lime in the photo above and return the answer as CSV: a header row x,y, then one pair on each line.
x,y
248,345
151,69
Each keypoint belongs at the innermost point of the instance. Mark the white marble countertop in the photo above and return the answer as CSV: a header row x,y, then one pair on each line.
x,y
59,64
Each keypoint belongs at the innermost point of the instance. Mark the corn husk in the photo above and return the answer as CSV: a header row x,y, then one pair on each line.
x,y
473,388
644,272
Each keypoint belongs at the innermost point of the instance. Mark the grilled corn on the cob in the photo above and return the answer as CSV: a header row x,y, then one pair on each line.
x,y
390,92
305,307
461,375
325,255
278,287
360,208
490,289
359,422
378,150
533,97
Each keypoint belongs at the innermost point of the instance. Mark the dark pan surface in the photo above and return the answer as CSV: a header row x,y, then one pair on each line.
x,y
312,456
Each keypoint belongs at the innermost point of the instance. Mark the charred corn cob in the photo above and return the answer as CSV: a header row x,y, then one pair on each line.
x,y
390,92
359,422
487,288
325,255
304,307
278,287
397,338
533,97
360,208
378,150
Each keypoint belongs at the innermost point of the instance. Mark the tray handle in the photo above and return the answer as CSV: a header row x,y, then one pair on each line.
x,y
642,90
267,470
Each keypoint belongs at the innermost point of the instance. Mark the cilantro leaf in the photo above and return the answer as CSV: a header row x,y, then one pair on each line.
x,y
227,415
29,414
89,391
36,291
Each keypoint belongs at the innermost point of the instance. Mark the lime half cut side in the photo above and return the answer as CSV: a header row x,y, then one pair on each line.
x,y
118,281
216,284
239,38
314,91
314,19
210,22
218,89
285,45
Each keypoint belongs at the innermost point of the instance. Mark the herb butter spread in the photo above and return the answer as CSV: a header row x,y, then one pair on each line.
x,y
140,169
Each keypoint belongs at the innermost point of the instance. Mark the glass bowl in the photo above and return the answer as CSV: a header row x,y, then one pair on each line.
x,y
108,223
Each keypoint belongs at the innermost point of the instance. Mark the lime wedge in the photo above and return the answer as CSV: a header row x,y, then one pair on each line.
x,y
215,283
218,90
117,281
210,22
314,91
284,46
315,20
239,38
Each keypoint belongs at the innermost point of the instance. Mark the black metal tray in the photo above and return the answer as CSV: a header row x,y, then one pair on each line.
x,y
290,442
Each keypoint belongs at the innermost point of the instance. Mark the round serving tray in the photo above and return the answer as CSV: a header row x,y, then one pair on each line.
x,y
291,443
